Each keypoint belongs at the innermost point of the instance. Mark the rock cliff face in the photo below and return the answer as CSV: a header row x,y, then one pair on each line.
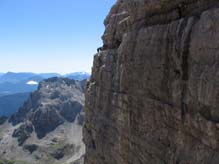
x,y
153,97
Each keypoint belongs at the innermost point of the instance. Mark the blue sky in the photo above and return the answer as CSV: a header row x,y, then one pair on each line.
x,y
50,35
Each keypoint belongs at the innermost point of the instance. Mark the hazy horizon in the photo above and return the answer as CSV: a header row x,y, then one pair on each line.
x,y
50,36
47,72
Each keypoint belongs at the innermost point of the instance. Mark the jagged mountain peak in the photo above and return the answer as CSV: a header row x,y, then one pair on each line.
x,y
48,127
57,100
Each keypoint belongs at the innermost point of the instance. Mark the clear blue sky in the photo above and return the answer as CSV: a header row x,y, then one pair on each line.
x,y
50,35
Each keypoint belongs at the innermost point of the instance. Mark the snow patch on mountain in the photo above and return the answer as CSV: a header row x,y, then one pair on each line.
x,y
31,82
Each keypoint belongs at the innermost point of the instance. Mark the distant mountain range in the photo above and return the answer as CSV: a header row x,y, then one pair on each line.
x,y
13,77
78,75
11,83
10,103
15,87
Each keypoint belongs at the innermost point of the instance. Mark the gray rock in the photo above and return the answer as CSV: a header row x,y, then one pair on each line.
x,y
153,94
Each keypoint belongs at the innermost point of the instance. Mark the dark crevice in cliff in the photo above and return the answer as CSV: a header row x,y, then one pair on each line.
x,y
185,45
167,66
184,71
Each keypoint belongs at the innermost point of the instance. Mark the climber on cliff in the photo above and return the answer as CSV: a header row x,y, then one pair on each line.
x,y
99,49
104,47
181,7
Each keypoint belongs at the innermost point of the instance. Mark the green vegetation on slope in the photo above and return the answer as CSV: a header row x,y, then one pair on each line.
x,y
5,161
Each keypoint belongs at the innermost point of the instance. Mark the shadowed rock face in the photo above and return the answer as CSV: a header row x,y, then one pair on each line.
x,y
31,148
23,132
153,94
57,100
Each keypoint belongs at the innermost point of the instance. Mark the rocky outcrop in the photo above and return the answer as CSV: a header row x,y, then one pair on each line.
x,y
57,100
23,132
153,94
31,148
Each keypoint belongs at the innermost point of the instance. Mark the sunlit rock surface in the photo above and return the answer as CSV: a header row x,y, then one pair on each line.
x,y
153,97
